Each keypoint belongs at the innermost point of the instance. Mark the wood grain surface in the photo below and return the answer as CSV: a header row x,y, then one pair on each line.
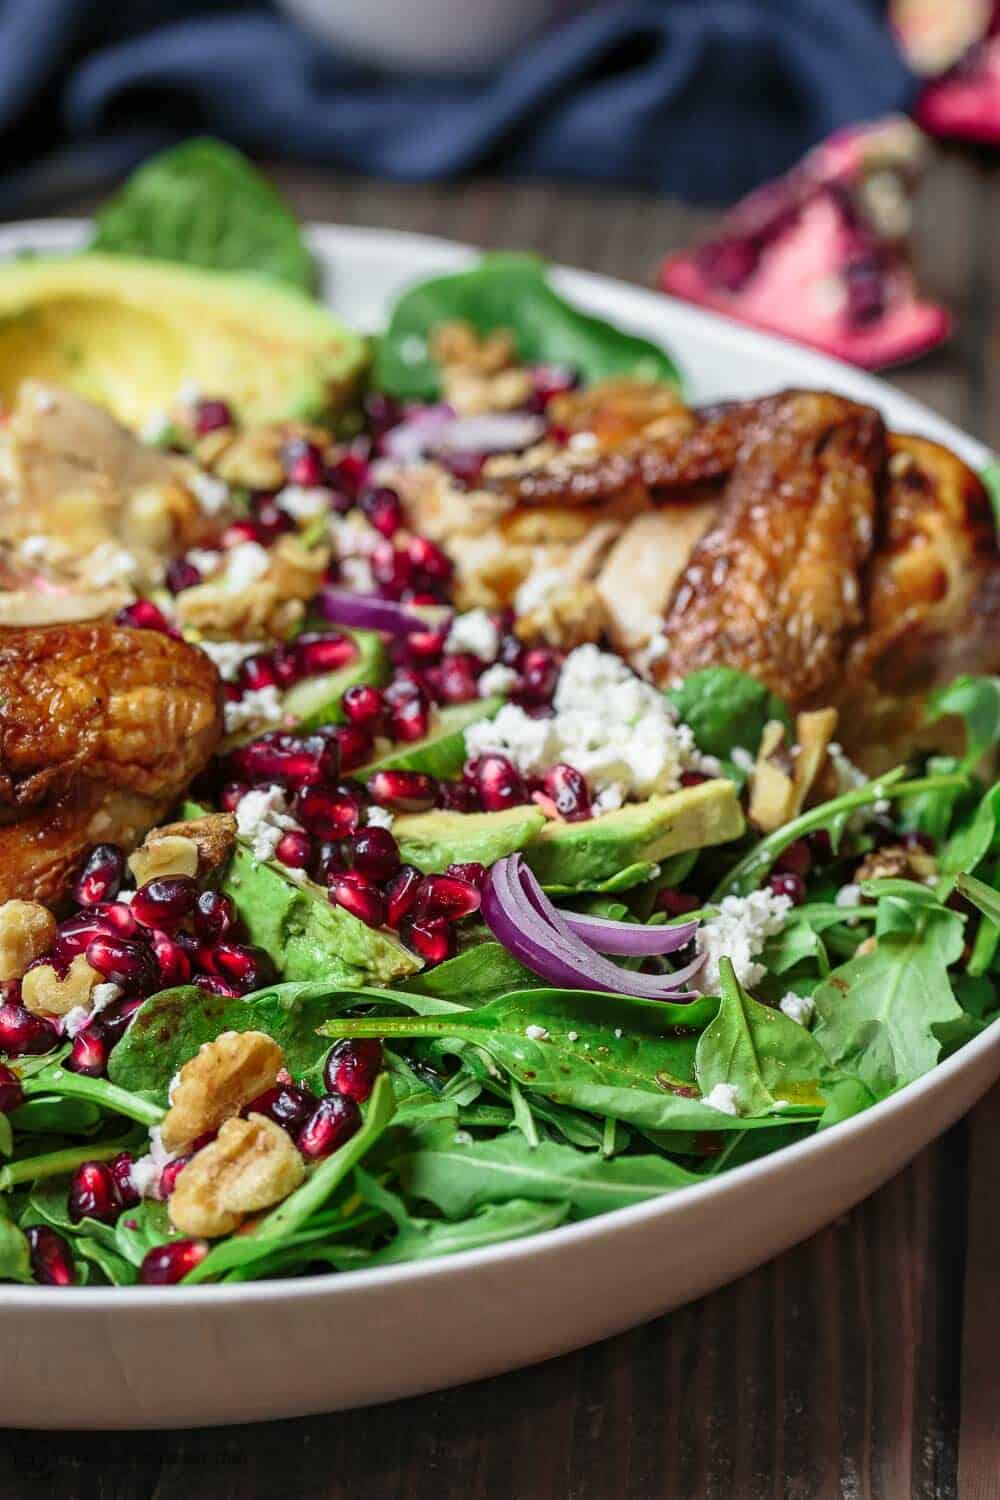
x,y
862,1365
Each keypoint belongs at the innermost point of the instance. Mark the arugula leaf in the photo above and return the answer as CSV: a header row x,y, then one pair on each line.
x,y
974,837
512,292
982,896
876,1015
726,709
976,701
761,1052
495,1223
203,203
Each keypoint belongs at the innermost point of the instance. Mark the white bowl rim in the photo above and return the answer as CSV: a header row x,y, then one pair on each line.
x,y
66,232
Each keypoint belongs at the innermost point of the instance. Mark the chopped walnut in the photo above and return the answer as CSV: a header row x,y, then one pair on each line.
x,y
251,1165
160,516
27,930
458,343
44,993
214,838
897,862
297,570
567,618
164,854
217,1082
247,614
471,395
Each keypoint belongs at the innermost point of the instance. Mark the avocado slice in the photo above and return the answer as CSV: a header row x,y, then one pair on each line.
x,y
579,854
128,333
434,840
442,752
306,936
316,700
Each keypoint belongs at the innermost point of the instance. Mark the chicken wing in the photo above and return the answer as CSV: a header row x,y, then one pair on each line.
x,y
101,729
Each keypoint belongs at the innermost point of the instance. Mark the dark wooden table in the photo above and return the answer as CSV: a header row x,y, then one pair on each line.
x,y
863,1363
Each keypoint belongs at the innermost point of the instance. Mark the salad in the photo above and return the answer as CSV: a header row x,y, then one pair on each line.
x,y
451,787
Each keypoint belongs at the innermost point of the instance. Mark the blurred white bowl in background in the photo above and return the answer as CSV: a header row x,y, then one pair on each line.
x,y
429,36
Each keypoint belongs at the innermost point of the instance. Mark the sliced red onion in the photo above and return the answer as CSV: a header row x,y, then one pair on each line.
x,y
523,919
417,433
366,612
493,432
628,939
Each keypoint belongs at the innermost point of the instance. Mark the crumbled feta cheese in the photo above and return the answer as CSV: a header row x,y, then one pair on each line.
x,y
463,1138
848,895
738,931
109,564
304,502
145,1173
572,1036
380,817
257,708
34,548
356,573
188,393
538,588
609,799
207,560
497,681
155,427
724,1097
619,1033
229,656
211,494
75,1020
103,995
245,564
742,759
848,774
262,816
798,1007
655,649
476,632
536,1033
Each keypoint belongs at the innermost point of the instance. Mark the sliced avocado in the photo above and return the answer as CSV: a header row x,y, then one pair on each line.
x,y
316,700
128,333
578,854
434,840
442,752
306,936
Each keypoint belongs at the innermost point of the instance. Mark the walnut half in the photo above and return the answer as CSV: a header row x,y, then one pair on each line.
x,y
252,1164
217,1082
27,930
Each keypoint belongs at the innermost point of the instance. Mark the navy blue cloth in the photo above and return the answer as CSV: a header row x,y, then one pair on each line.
x,y
703,98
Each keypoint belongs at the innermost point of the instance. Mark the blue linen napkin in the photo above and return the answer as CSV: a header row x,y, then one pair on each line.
x,y
702,98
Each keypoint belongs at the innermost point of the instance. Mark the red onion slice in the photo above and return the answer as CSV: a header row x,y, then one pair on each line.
x,y
522,918
417,433
493,432
628,939
365,612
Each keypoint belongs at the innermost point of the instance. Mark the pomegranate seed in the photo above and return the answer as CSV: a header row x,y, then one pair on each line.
x,y
287,759
166,1265
675,902
129,964
392,569
429,560
401,893
332,1123
382,412
93,1193
232,795
209,416
22,1033
352,1068
51,1258
553,380
214,915
410,720
364,705
170,1174
821,846
174,963
217,986
165,902
569,791
245,967
258,672
350,472
539,675
117,918
692,778
459,796
355,745
434,939
424,645
328,859
73,935
89,1054
121,1171
182,575
295,850
288,1105
239,532
327,814
101,876
384,510
360,896
796,860
144,615
792,886
472,872
498,783
375,853
328,652
115,1019
445,897
303,463
11,1092
456,680
403,791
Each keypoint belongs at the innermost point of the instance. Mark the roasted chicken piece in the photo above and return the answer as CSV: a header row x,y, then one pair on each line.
x,y
101,729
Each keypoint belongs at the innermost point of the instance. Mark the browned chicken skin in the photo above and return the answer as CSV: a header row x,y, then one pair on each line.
x,y
101,729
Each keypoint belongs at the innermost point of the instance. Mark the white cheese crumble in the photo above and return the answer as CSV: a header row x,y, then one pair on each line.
x,y
255,710
229,656
608,723
476,632
537,589
848,774
75,1020
304,502
724,1097
380,817
572,1036
207,560
848,895
536,1033
109,564
34,548
609,800
155,427
245,564
800,1008
738,931
356,573
147,1170
262,816
496,681
742,759
211,494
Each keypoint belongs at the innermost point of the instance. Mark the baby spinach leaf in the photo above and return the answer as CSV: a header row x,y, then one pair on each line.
x,y
15,1257
876,1014
845,1097
512,292
53,1116
460,1176
117,1270
726,709
140,1228
203,203
976,701
760,1052
473,977
100,1091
